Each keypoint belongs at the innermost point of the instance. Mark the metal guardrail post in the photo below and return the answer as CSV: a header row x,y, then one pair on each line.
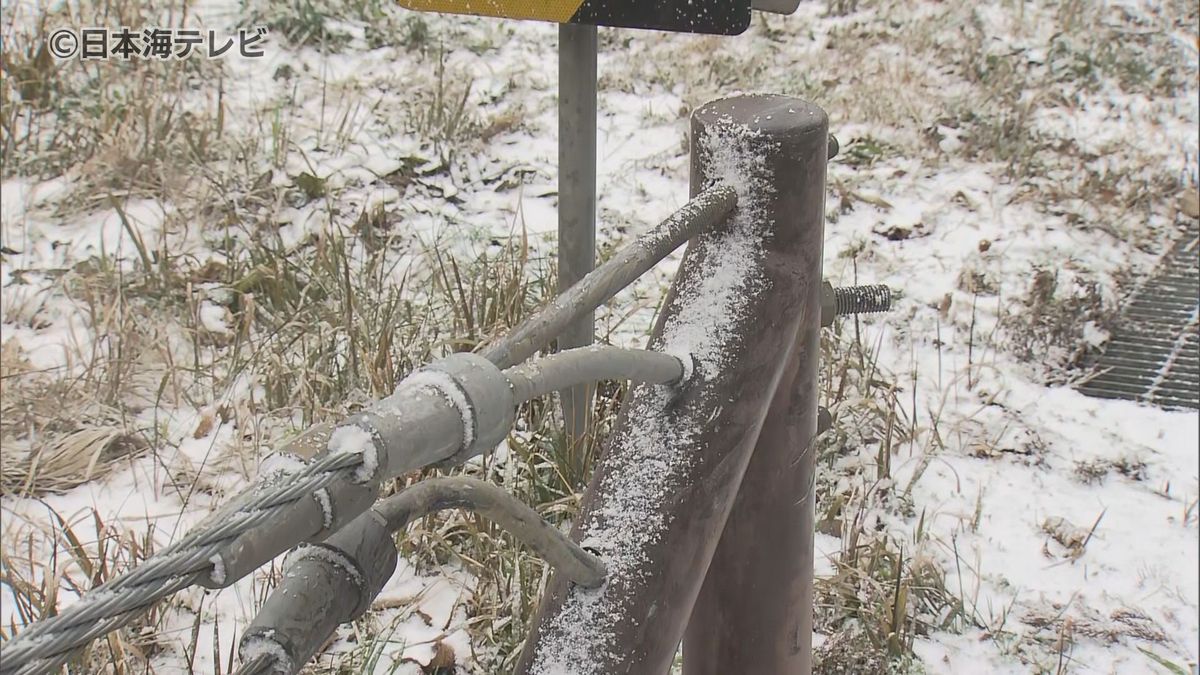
x,y
748,293
754,613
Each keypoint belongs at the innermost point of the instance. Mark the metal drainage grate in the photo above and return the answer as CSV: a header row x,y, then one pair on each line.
x,y
1154,354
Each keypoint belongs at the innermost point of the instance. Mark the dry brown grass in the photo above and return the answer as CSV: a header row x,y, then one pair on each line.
x,y
67,461
886,590
145,137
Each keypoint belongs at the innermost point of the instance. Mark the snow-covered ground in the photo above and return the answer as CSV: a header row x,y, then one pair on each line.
x,y
1010,168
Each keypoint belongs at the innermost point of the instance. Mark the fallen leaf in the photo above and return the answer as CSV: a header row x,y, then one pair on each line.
x,y
312,186
443,660
1189,204
873,200
944,305
205,426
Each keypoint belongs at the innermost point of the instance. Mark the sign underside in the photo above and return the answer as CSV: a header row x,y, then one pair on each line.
x,y
719,17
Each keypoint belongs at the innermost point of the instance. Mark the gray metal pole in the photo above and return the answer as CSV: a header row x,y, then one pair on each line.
x,y
591,364
576,196
662,491
703,212
754,613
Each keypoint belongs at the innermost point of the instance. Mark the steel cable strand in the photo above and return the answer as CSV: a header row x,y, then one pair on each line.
x,y
259,665
48,643
81,635
60,634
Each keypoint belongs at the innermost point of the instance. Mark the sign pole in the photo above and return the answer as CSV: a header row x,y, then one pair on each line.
x,y
576,197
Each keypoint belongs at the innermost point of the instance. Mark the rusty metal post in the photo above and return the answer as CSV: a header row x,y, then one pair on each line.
x,y
754,612
741,306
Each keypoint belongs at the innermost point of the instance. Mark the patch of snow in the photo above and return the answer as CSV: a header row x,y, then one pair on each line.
x,y
356,440
711,309
214,318
827,552
322,497
280,464
1093,335
217,574
265,644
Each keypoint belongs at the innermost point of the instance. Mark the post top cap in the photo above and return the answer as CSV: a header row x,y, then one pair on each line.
x,y
773,114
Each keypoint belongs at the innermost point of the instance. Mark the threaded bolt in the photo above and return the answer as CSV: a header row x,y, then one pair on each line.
x,y
847,300
862,299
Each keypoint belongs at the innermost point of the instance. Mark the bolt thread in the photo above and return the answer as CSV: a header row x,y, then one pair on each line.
x,y
862,299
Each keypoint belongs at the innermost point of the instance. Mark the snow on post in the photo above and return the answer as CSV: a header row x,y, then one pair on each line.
x,y
661,494
754,611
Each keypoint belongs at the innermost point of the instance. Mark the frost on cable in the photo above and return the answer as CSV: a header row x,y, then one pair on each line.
x,y
265,645
451,391
330,556
356,440
278,465
322,497
644,468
